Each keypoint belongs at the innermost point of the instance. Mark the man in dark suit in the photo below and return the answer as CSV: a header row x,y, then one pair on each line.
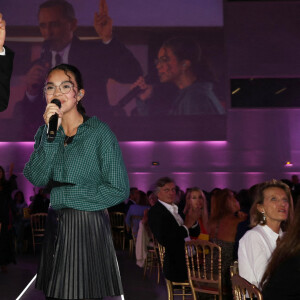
x,y
171,230
6,65
97,60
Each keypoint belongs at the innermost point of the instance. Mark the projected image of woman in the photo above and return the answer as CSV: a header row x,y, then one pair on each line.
x,y
85,168
180,63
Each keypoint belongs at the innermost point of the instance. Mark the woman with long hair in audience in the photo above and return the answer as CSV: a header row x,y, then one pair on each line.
x,y
270,214
197,200
223,223
281,278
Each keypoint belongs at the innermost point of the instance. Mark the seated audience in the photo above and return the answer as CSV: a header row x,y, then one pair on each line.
x,y
133,198
170,230
224,220
281,278
270,214
197,200
137,209
187,83
144,235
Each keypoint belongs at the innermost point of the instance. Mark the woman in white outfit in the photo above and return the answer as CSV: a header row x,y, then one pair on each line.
x,y
270,215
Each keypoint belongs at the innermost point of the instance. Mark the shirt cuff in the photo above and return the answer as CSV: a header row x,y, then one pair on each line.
x,y
195,225
187,230
2,51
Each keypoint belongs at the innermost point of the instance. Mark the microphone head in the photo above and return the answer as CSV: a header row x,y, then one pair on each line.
x,y
57,102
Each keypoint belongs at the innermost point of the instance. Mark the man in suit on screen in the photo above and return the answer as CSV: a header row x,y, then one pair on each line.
x,y
6,65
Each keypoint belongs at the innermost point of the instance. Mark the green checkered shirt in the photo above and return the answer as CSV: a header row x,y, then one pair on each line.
x,y
93,162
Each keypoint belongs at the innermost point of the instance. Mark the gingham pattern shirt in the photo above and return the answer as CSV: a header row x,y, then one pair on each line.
x,y
93,162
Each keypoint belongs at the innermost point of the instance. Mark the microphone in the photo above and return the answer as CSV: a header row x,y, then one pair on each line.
x,y
52,127
134,92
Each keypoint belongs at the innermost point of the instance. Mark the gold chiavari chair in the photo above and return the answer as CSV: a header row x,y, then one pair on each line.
x,y
118,228
152,260
243,289
203,260
182,289
234,268
134,232
38,227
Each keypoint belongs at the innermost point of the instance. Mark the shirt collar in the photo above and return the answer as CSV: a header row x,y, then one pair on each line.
x,y
271,233
64,53
172,207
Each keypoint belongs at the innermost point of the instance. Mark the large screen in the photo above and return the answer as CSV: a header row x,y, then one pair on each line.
x,y
174,109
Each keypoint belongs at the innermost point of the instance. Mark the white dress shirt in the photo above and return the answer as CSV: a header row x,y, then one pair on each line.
x,y
173,209
2,52
255,250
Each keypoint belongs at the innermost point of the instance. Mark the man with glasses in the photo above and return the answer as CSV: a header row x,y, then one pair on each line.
x,y
6,65
171,230
97,60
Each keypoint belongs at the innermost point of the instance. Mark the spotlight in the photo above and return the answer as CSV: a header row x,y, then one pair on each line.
x,y
155,163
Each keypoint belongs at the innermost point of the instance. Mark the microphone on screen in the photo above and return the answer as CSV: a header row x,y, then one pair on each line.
x,y
52,127
134,92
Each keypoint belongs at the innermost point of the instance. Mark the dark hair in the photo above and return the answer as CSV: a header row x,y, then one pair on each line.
x,y
132,190
19,193
186,48
78,78
289,246
162,182
256,217
219,205
67,8
143,198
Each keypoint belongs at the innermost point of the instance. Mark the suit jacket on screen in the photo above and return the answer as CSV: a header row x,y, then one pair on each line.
x,y
6,66
97,63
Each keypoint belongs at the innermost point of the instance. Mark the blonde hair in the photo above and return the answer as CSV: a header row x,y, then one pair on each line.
x,y
204,213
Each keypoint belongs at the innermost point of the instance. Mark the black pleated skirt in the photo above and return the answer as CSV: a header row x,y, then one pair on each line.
x,y
78,259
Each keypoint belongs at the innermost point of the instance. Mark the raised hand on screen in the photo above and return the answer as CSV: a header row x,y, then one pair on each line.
x,y
103,22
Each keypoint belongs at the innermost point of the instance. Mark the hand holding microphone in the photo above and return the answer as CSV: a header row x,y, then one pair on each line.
x,y
52,117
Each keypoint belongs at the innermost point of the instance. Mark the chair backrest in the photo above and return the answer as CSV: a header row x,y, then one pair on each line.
x,y
203,260
161,252
26,213
234,268
117,220
243,289
38,223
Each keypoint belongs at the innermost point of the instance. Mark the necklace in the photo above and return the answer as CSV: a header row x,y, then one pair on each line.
x,y
69,138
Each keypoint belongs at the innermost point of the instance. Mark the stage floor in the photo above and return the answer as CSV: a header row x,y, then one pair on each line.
x,y
136,287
